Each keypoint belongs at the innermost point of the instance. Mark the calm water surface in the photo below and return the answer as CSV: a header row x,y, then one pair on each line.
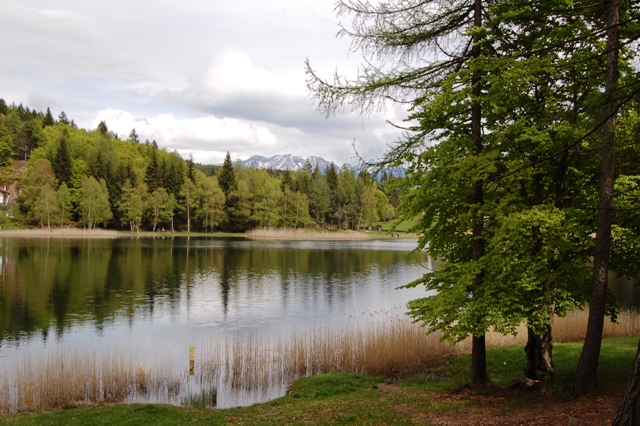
x,y
153,298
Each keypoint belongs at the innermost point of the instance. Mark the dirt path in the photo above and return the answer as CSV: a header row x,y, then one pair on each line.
x,y
510,407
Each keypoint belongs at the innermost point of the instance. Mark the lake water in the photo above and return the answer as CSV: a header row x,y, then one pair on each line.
x,y
146,301
150,299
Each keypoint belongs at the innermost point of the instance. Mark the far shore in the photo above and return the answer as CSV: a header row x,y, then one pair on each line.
x,y
62,233
256,234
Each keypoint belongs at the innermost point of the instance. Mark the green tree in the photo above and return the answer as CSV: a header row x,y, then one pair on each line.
x,y
30,137
6,145
48,119
226,176
62,165
211,210
267,197
395,34
63,119
189,193
36,191
45,208
133,136
588,363
64,204
160,207
319,198
238,206
132,205
93,202
294,209
153,176
103,129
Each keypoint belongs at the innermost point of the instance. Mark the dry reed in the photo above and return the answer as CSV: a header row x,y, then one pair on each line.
x,y
305,235
61,233
385,343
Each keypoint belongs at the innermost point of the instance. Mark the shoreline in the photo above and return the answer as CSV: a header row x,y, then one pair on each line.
x,y
259,234
62,233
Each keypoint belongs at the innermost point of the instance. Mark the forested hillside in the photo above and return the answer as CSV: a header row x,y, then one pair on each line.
x,y
55,174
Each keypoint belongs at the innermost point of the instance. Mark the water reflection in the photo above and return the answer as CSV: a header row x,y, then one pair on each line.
x,y
152,298
52,285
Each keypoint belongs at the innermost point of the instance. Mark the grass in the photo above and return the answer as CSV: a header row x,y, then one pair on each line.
x,y
387,344
347,398
202,400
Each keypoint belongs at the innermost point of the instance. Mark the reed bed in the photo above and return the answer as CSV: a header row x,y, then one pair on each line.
x,y
61,233
57,380
283,234
571,328
382,343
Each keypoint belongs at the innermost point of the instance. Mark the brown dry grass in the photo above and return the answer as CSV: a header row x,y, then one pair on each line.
x,y
386,343
305,235
61,233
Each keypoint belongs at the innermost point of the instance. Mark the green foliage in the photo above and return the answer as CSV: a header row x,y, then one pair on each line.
x,y
205,399
64,205
29,137
37,198
266,199
6,145
501,172
226,176
62,165
93,202
235,199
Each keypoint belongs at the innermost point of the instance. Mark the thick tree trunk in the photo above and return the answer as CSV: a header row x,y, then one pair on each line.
x,y
539,356
588,364
629,410
478,348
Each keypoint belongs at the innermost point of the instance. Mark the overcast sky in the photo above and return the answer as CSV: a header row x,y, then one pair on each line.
x,y
198,76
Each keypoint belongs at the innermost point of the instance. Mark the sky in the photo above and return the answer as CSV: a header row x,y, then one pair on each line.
x,y
202,77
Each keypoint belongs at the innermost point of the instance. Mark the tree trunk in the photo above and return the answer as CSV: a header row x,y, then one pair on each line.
x,y
539,356
629,410
478,348
588,364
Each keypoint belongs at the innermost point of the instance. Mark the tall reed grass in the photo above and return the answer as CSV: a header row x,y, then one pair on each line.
x,y
304,235
382,343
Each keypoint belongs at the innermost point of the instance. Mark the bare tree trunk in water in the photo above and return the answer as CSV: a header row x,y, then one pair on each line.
x,y
629,410
539,356
588,364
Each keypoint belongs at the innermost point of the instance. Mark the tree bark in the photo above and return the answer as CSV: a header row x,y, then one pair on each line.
x,y
629,410
588,364
539,356
478,347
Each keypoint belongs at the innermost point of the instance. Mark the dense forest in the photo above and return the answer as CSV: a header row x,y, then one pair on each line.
x,y
55,174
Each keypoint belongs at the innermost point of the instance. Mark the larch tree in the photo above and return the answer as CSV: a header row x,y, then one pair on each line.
x,y
413,48
617,18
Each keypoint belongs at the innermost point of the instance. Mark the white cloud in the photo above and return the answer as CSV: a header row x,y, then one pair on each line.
x,y
200,77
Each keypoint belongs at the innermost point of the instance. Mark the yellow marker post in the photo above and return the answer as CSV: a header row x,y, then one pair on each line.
x,y
192,356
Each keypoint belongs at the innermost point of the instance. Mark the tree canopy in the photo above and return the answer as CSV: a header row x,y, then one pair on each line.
x,y
508,108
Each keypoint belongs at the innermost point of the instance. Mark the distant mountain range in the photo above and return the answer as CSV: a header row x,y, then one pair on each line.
x,y
294,163
285,162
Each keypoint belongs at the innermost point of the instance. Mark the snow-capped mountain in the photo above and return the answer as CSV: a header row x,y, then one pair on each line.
x,y
285,162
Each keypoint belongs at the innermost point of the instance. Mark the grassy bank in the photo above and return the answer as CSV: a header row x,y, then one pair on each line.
x,y
386,344
432,398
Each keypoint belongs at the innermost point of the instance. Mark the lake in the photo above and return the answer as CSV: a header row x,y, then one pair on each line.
x,y
132,308
150,299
